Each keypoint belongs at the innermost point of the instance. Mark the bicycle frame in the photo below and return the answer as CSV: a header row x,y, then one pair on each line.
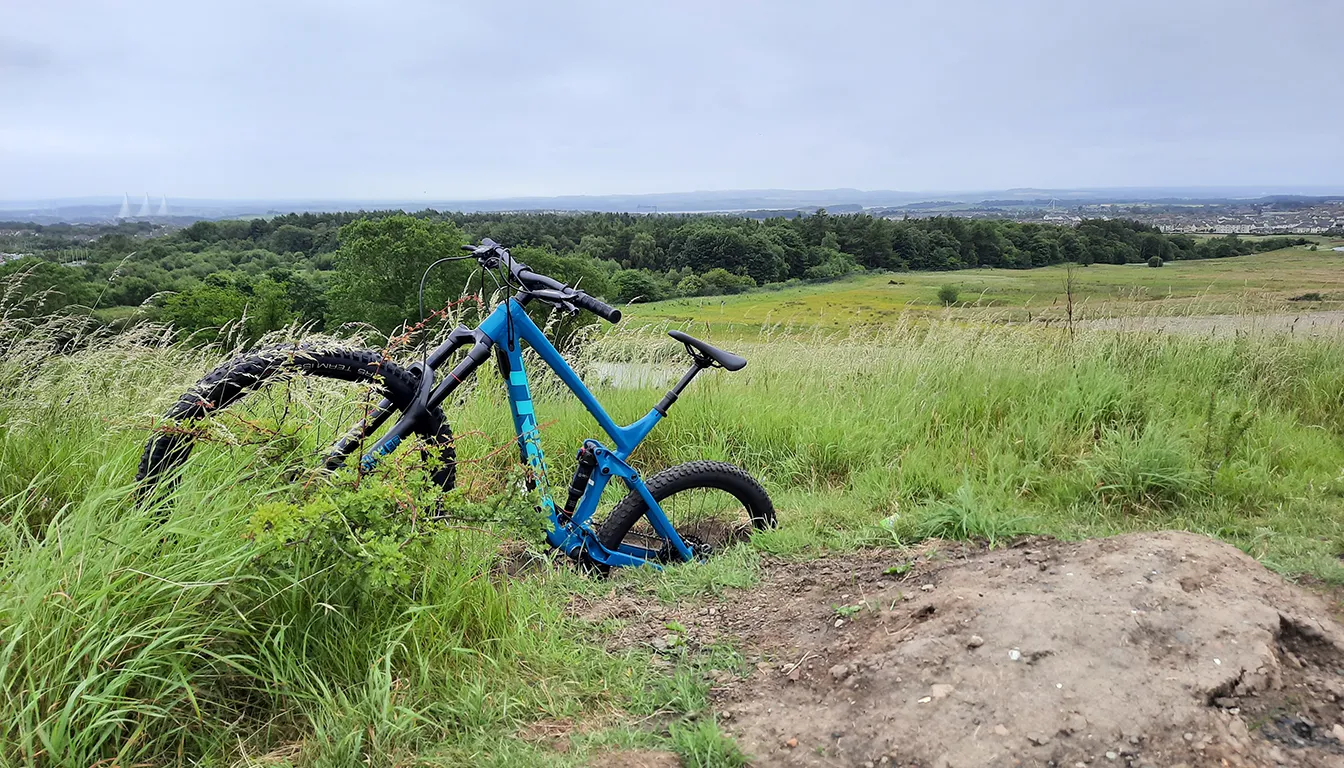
x,y
505,330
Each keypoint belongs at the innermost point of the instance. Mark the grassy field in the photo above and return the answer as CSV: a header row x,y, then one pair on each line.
x,y
169,634
1260,283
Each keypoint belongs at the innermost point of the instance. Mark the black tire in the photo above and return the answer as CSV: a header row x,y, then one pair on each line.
x,y
756,512
167,450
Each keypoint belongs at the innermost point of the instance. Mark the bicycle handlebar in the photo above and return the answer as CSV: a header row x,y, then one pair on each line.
x,y
597,307
490,253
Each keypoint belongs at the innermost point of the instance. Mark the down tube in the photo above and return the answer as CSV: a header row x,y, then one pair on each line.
x,y
625,438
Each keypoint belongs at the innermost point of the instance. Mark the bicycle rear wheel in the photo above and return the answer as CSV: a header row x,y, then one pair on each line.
x,y
712,505
288,403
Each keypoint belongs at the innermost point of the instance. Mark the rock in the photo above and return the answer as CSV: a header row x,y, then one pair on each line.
x,y
839,672
1111,755
1075,723
1338,731
839,623
941,690
791,743
927,587
1189,736
999,730
1226,702
1014,655
975,642
1039,739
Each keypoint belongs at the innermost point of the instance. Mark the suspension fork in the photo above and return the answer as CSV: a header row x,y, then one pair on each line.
x,y
425,399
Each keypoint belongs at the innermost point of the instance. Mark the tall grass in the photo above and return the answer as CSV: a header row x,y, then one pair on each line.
x,y
1081,434
135,642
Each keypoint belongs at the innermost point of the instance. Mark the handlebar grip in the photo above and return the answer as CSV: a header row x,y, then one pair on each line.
x,y
601,309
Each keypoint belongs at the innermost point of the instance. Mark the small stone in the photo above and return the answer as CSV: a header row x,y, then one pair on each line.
x,y
1188,736
926,700
839,672
1014,655
1111,755
726,714
927,587
791,743
1075,723
999,730
941,690
1226,702
839,623
975,642
1039,739
1338,732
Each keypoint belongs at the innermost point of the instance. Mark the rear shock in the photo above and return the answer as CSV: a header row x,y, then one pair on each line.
x,y
583,473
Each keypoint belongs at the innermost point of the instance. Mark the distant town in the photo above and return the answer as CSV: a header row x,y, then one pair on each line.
x,y
1196,211
1265,216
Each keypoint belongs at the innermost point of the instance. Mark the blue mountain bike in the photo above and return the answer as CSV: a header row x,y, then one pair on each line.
x,y
682,514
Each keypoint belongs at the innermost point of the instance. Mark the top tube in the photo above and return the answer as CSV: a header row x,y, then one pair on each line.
x,y
496,327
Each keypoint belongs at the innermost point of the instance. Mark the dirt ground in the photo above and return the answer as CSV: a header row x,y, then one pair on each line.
x,y
1161,649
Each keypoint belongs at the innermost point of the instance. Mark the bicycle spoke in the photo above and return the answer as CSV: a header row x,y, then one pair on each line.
x,y
701,516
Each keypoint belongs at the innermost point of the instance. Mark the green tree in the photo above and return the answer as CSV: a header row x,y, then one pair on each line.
x,y
44,287
644,251
691,285
379,265
224,298
720,281
638,285
291,239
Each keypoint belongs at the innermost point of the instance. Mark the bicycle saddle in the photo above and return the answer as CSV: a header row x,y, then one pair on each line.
x,y
726,360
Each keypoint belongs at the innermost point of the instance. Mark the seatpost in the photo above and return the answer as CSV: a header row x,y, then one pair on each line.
x,y
699,365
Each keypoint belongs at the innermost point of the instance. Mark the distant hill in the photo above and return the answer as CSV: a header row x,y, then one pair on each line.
x,y
783,201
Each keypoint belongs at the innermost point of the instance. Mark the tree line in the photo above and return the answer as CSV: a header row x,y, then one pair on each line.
x,y
327,269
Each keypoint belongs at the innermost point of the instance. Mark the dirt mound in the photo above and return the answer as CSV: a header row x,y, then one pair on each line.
x,y
1144,649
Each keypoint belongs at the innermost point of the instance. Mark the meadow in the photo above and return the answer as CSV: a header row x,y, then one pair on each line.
x,y
166,633
1261,283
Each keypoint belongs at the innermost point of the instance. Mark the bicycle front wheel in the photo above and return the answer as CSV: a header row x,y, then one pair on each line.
x,y
711,505
284,405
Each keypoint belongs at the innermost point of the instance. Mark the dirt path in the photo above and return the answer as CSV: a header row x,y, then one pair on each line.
x,y
1139,650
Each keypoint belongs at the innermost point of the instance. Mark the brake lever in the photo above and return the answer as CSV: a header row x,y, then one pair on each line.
x,y
554,297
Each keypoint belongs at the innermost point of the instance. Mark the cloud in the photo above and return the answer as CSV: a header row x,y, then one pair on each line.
x,y
401,99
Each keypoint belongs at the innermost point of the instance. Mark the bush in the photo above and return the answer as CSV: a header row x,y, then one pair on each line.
x,y
691,285
720,281
947,295
1155,261
638,285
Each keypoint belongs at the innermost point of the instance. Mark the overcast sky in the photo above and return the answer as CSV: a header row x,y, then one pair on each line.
x,y
407,99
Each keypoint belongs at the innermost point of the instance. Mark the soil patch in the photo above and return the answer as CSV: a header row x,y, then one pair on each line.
x,y
1144,649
